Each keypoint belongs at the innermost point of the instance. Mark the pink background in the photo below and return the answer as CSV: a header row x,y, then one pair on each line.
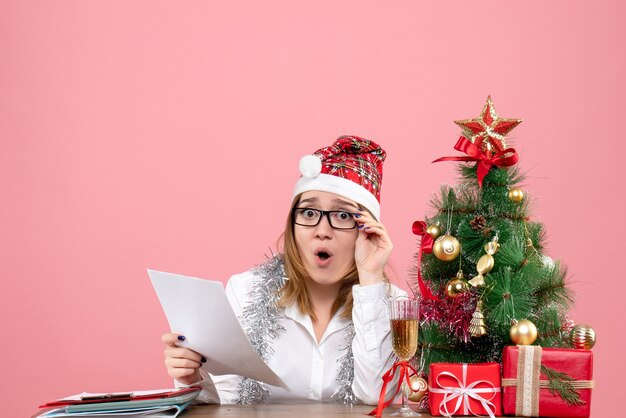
x,y
165,135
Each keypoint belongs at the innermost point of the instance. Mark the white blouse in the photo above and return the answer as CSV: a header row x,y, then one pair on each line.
x,y
310,369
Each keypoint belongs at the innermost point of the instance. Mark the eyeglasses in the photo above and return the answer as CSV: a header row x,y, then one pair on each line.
x,y
338,219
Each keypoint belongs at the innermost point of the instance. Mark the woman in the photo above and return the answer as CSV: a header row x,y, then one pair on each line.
x,y
318,313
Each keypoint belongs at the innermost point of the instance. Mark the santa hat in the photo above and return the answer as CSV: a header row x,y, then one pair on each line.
x,y
352,167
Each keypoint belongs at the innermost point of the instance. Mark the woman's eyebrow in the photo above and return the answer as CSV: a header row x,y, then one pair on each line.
x,y
335,201
343,202
309,200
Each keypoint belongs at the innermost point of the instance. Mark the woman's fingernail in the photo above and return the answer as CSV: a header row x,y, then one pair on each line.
x,y
356,215
203,360
360,226
181,338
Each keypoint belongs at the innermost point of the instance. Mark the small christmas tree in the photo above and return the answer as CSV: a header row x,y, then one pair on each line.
x,y
483,280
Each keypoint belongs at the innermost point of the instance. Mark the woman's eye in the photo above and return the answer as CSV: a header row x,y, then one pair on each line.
x,y
344,216
309,213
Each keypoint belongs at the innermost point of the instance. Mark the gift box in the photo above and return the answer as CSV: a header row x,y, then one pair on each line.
x,y
530,372
464,389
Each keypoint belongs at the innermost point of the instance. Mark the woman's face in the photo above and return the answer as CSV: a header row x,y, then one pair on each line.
x,y
327,253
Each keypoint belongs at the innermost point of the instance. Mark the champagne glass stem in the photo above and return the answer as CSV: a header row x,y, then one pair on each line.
x,y
403,389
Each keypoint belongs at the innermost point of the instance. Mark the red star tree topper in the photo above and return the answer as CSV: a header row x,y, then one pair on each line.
x,y
488,130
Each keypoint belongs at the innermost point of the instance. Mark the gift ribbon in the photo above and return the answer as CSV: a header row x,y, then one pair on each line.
x,y
462,393
426,246
545,384
529,371
506,158
406,371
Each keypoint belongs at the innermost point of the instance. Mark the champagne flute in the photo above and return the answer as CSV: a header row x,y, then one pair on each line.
x,y
404,315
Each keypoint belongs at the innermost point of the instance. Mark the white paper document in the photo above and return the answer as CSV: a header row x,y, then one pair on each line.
x,y
199,310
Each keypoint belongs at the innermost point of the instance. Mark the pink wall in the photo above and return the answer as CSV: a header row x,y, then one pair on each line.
x,y
143,134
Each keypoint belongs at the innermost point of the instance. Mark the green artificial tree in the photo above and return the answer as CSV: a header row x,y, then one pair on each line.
x,y
483,225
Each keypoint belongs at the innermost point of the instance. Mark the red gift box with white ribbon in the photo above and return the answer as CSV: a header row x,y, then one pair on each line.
x,y
464,389
530,375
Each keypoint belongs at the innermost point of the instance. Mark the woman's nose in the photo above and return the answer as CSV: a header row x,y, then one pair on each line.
x,y
323,228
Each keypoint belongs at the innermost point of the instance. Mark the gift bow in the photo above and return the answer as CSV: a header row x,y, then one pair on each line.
x,y
462,393
426,246
406,371
506,158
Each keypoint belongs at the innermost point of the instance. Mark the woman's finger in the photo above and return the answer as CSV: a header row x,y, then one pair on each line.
x,y
184,353
378,231
368,221
173,362
172,339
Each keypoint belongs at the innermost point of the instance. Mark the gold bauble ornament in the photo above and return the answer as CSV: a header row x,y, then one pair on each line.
x,y
524,332
434,231
419,388
457,286
446,248
582,336
516,195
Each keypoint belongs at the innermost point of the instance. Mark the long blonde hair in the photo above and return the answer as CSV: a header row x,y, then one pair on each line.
x,y
296,289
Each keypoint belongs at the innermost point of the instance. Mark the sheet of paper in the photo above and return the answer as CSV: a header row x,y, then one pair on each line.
x,y
199,310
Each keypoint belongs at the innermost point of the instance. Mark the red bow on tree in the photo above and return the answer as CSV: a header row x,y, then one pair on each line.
x,y
506,158
426,246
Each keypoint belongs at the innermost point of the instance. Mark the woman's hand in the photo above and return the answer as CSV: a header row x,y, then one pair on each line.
x,y
372,249
182,364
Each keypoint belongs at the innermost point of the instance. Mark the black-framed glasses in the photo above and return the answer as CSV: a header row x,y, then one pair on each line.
x,y
338,219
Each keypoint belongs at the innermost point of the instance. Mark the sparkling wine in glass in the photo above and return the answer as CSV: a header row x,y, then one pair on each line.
x,y
404,315
404,338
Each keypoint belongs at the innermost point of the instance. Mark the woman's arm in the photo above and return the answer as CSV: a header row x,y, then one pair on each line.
x,y
371,346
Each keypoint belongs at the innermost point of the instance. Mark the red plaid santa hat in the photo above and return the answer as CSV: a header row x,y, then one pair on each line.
x,y
352,167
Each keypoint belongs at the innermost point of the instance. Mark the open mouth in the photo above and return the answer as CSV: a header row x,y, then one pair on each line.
x,y
322,254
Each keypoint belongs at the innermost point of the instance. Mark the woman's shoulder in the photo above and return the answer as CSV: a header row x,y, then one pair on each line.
x,y
241,282
254,285
395,291
270,274
271,269
238,290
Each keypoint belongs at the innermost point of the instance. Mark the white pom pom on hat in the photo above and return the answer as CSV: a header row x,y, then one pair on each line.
x,y
310,166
